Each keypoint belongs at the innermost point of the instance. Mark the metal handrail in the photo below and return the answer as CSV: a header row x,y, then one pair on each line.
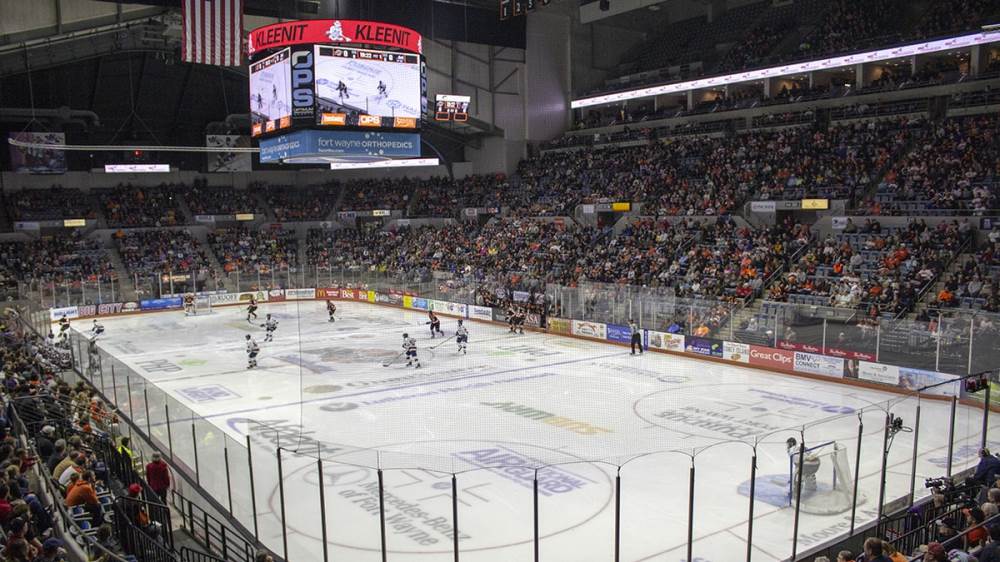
x,y
212,533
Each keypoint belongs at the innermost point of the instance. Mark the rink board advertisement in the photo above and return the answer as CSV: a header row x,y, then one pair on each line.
x,y
560,326
589,329
877,372
619,333
160,304
785,360
666,341
912,379
300,294
771,358
734,351
481,313
703,346
818,364
67,311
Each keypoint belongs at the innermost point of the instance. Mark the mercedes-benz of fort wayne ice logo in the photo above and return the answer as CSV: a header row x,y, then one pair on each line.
x,y
495,480
336,33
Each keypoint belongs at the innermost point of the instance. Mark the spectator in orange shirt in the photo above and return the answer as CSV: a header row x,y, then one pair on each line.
x,y
83,495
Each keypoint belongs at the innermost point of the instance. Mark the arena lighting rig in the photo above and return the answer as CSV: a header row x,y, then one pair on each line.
x,y
881,55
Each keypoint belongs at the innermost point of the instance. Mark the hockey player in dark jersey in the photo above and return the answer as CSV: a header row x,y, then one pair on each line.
x,y
331,309
462,337
252,309
435,323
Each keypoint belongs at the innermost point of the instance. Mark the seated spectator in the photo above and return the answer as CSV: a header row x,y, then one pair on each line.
x,y
84,495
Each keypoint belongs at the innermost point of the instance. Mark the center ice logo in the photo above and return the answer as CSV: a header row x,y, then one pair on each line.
x,y
336,33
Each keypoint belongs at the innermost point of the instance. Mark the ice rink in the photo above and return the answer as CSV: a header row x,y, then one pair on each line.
x,y
579,412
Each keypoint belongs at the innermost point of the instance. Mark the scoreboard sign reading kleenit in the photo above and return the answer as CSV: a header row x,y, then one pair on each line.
x,y
345,74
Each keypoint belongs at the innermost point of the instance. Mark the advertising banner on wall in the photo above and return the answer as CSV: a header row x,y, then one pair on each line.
x,y
619,333
734,351
160,304
877,372
67,311
666,342
913,379
589,329
796,346
481,313
560,326
300,294
703,346
850,354
771,358
818,364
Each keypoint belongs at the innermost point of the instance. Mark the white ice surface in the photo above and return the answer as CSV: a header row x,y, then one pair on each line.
x,y
325,386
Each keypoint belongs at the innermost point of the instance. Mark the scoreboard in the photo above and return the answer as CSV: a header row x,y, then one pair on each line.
x,y
343,74
449,107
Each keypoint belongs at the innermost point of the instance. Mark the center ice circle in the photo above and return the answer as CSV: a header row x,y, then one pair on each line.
x,y
495,482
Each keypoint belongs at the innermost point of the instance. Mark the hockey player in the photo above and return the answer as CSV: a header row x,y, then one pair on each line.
x,y
636,336
63,326
252,309
410,347
96,329
342,90
809,464
331,309
252,350
515,319
435,323
381,89
269,325
462,337
188,305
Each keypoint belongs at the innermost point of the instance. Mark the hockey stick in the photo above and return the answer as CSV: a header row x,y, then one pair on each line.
x,y
442,343
393,360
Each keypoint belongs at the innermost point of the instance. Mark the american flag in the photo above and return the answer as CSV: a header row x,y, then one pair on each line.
x,y
212,32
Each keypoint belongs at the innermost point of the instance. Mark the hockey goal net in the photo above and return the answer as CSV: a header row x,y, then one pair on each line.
x,y
202,304
827,480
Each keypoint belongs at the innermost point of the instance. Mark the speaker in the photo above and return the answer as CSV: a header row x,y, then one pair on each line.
x,y
605,5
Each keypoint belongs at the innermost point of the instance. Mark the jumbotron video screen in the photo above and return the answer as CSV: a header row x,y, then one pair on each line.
x,y
355,82
270,90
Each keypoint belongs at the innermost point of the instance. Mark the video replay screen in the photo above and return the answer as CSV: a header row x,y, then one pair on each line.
x,y
270,92
354,83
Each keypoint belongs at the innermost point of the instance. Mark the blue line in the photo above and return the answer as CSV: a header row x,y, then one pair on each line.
x,y
442,381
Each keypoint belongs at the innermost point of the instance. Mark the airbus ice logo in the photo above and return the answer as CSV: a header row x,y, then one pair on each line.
x,y
336,33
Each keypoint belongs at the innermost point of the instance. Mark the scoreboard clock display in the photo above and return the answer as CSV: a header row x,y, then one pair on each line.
x,y
450,107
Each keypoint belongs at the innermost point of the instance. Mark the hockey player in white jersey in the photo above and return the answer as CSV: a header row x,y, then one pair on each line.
x,y
269,325
252,350
96,329
462,337
410,347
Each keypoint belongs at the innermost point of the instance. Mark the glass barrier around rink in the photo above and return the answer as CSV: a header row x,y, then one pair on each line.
x,y
74,292
627,498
